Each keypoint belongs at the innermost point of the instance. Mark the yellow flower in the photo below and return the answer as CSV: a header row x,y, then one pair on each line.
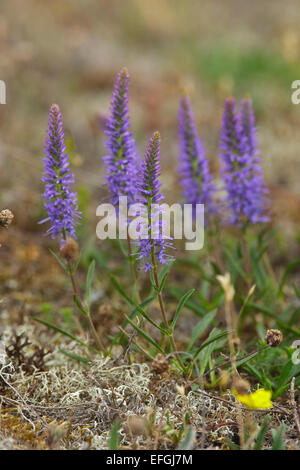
x,y
259,399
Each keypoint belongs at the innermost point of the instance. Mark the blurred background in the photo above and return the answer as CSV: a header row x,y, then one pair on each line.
x,y
69,52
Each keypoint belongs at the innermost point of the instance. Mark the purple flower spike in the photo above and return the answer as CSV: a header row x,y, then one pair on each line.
x,y
242,172
196,179
154,247
247,124
60,202
121,163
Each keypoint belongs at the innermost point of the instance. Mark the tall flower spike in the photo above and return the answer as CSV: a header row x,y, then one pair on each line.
x,y
121,162
247,124
196,179
242,172
60,202
152,246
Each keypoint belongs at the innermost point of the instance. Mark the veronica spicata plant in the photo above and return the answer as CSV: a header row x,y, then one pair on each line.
x,y
60,202
61,205
196,179
153,246
121,161
242,173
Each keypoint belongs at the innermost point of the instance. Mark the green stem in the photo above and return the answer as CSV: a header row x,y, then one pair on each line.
x,y
87,311
133,270
92,326
163,310
247,263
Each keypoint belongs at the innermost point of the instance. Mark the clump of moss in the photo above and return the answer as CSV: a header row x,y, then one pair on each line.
x,y
72,405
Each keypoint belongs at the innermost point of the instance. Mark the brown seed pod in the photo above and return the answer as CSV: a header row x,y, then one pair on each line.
x,y
105,309
6,218
242,386
273,338
70,249
137,425
160,364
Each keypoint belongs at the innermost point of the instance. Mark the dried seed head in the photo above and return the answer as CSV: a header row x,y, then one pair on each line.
x,y
6,218
55,432
116,351
227,287
137,425
252,289
105,309
242,386
180,389
160,364
69,250
224,379
273,338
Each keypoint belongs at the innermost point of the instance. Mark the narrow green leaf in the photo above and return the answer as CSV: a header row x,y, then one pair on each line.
x,y
114,435
209,341
286,273
201,326
264,243
271,314
260,275
262,433
165,269
132,315
163,281
122,247
231,444
205,356
121,291
65,333
76,357
216,268
60,261
237,267
189,439
134,312
145,335
288,371
138,307
162,277
296,290
180,306
190,304
78,305
254,372
89,280
151,275
246,359
278,438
